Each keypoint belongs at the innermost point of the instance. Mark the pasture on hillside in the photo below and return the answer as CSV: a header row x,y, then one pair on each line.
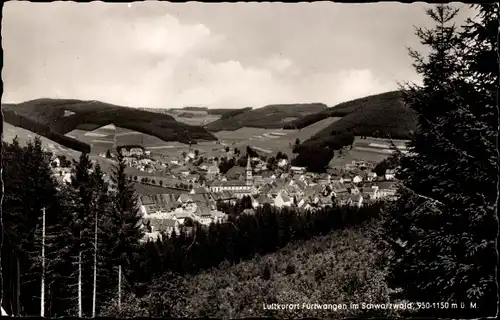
x,y
23,135
369,149
271,140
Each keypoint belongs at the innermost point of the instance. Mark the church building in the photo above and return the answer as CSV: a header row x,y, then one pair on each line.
x,y
238,187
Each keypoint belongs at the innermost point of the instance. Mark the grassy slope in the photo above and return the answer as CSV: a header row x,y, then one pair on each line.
x,y
269,117
37,115
244,137
377,116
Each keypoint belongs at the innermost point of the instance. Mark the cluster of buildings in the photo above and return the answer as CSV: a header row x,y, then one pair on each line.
x,y
355,185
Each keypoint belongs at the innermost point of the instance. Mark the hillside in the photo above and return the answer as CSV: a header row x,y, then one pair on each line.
x,y
341,267
345,108
268,117
53,118
382,116
226,113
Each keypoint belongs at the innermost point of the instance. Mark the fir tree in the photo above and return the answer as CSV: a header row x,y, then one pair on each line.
x,y
443,226
124,220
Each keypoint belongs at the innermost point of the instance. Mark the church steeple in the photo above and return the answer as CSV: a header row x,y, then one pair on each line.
x,y
249,165
248,170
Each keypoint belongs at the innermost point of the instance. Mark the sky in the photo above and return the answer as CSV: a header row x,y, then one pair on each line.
x,y
164,55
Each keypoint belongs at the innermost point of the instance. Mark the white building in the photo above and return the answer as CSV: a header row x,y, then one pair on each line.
x,y
239,187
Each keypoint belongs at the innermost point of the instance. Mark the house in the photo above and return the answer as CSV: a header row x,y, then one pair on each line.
x,y
260,200
336,180
355,200
181,215
213,170
199,190
151,236
193,201
298,170
235,172
219,216
357,179
282,163
343,199
158,203
386,189
370,193
370,176
66,178
126,152
238,187
353,189
346,179
324,201
55,162
224,196
282,200
390,174
204,218
167,225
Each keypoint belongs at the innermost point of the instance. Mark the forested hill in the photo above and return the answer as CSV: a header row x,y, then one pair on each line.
x,y
383,115
379,106
268,117
53,118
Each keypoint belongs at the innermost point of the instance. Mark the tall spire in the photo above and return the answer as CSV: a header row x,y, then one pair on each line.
x,y
249,166
248,170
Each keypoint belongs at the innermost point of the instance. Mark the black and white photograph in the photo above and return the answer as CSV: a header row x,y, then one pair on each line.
x,y
233,160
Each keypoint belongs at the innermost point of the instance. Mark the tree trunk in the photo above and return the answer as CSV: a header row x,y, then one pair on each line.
x,y
18,287
42,300
95,270
119,287
80,284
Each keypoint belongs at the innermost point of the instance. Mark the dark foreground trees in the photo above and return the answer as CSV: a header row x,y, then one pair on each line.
x,y
444,226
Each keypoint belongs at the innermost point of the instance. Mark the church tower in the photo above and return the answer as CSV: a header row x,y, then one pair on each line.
x,y
249,179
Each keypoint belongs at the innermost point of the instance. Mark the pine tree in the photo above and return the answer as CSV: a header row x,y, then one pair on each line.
x,y
13,221
124,220
443,226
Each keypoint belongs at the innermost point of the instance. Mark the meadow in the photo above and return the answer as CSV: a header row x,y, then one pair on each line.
x,y
272,140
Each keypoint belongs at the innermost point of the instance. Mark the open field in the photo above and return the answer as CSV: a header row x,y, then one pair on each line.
x,y
10,131
369,149
269,139
267,117
197,120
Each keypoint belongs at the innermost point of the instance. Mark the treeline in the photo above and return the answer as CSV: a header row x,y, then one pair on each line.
x,y
316,154
186,115
228,113
243,237
342,267
195,108
75,215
